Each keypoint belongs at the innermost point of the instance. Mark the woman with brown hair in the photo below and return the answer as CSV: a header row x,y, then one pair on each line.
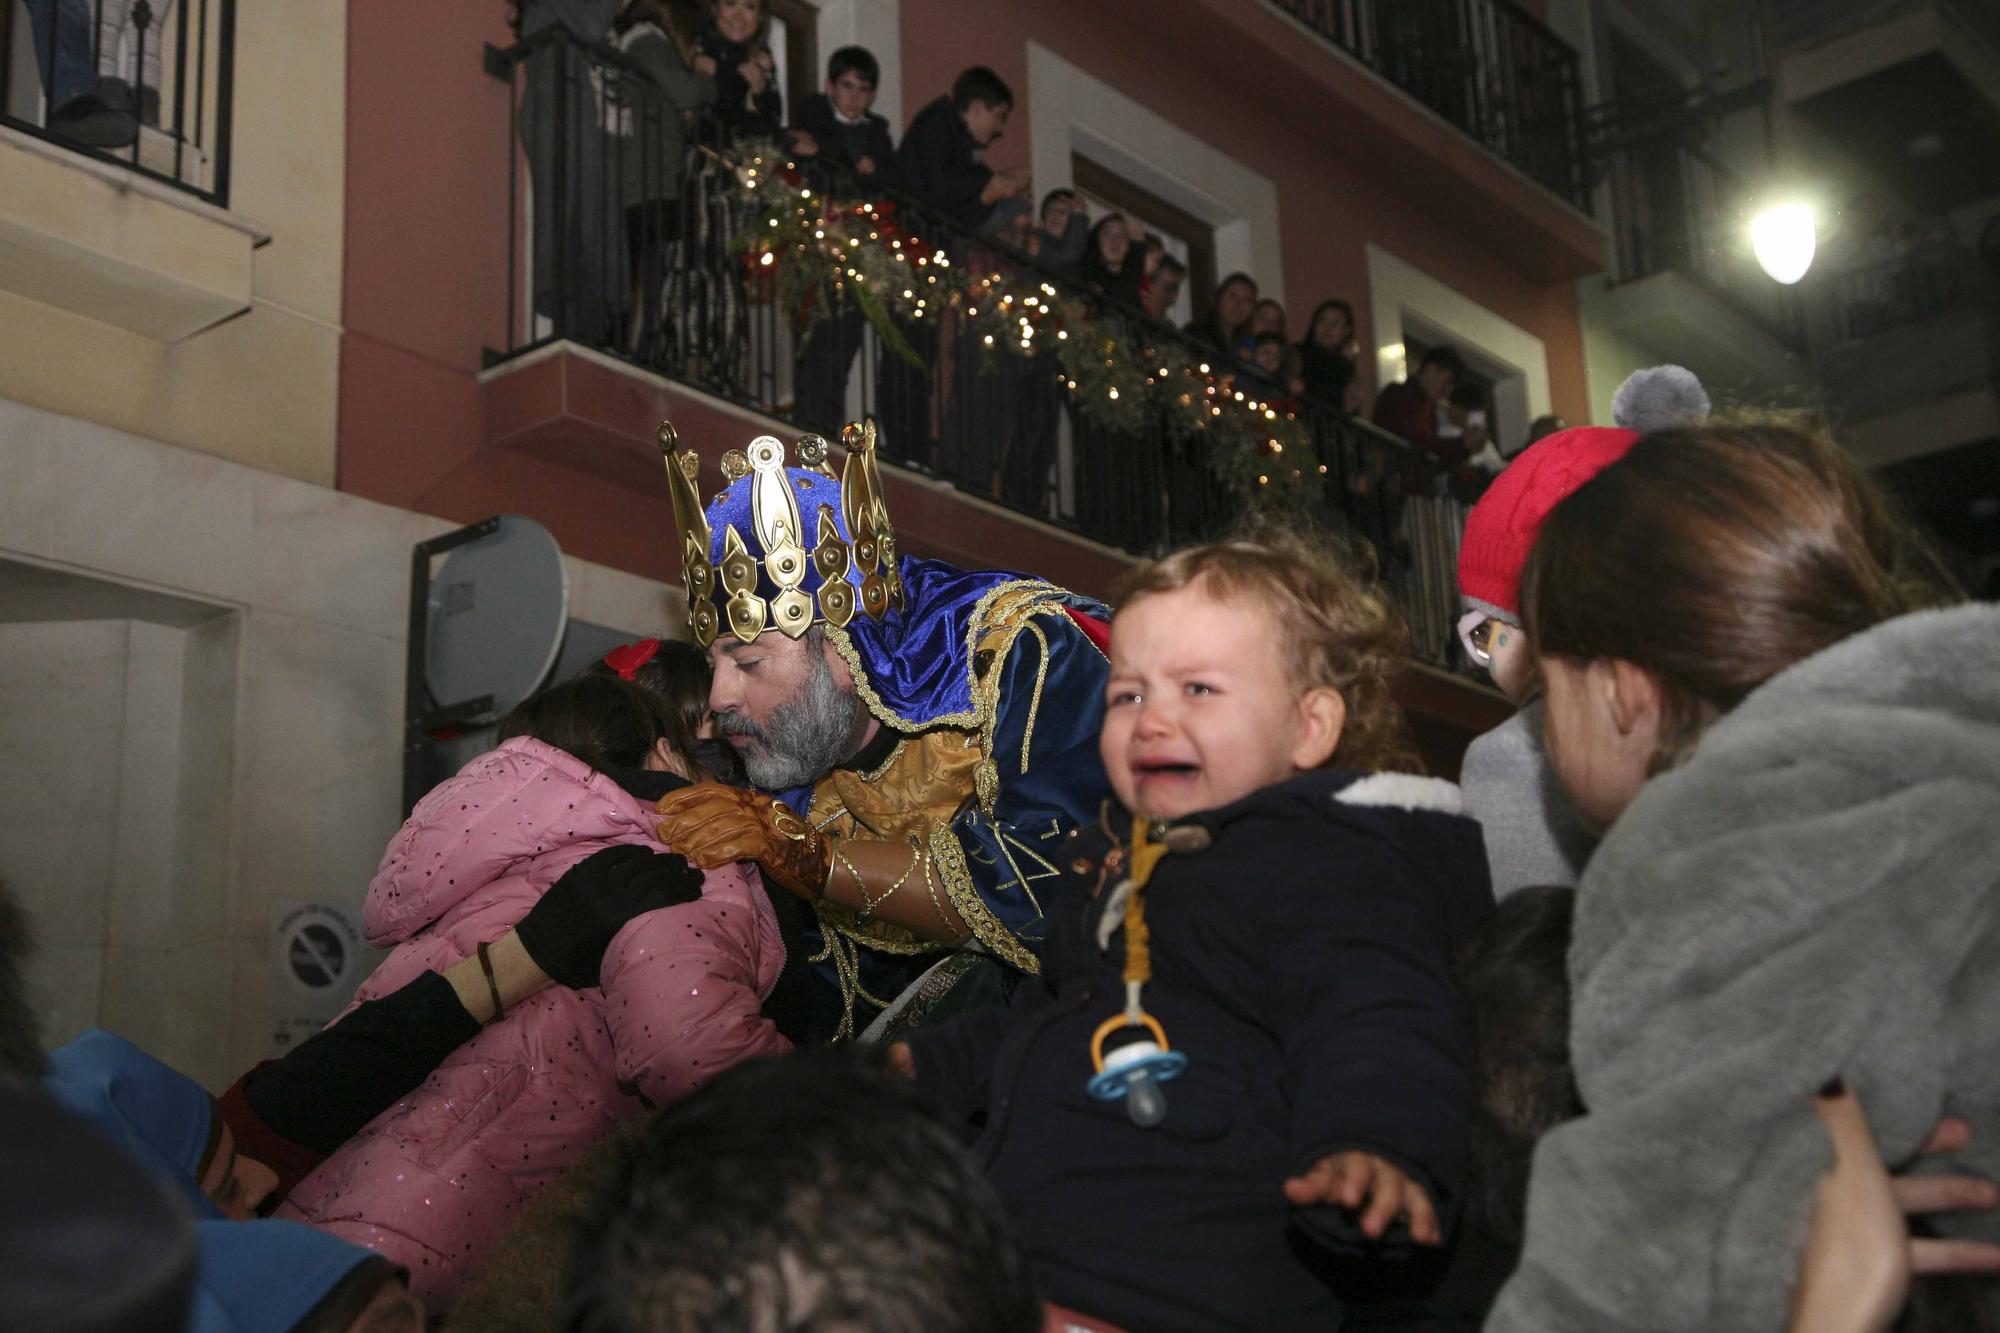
x,y
1791,733
659,38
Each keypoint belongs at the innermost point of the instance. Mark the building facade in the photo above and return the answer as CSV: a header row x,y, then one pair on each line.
x,y
248,361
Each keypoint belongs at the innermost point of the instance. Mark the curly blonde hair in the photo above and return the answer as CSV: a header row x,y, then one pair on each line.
x,y
1341,630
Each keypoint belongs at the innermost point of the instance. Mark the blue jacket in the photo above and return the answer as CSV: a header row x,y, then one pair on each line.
x,y
1302,963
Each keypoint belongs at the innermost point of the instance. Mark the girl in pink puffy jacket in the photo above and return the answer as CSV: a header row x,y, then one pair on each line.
x,y
433,1181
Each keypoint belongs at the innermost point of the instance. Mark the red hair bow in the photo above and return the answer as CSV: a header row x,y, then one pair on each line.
x,y
628,658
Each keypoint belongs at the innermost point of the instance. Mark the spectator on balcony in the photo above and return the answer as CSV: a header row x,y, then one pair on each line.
x,y
942,163
1162,287
1223,324
1468,418
658,36
851,155
1064,232
130,39
1538,430
748,104
849,146
1268,317
581,279
943,157
1328,355
1412,407
1265,376
1016,406
65,60
1110,263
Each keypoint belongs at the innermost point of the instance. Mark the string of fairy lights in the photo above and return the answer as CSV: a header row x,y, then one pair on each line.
x,y
811,247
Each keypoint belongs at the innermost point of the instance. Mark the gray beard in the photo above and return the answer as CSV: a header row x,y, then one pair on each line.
x,y
801,741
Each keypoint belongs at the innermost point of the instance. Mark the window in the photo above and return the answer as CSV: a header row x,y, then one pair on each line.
x,y
1187,237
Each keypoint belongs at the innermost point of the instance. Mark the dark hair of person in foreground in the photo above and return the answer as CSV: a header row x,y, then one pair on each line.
x,y
805,1192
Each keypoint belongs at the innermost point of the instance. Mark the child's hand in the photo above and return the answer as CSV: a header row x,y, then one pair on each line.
x,y
1350,1179
901,1061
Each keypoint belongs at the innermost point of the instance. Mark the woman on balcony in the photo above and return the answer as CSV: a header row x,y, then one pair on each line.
x,y
661,38
1327,356
733,38
568,122
705,297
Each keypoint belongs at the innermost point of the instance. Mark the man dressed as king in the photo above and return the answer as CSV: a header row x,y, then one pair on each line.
x,y
920,738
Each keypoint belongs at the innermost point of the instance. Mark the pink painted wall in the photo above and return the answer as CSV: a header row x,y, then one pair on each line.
x,y
425,279
1197,70
425,291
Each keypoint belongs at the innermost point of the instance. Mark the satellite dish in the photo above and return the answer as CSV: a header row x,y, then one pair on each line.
x,y
498,610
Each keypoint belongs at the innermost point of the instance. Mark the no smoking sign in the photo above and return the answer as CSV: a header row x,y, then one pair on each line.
x,y
318,958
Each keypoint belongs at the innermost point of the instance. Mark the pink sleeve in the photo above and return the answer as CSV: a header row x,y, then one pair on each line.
x,y
682,990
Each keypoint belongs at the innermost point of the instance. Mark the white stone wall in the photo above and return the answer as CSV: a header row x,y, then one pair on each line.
x,y
201,699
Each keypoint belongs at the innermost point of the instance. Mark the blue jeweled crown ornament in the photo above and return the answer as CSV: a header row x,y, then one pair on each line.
x,y
745,560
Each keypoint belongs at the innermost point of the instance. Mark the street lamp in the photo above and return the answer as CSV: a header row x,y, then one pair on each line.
x,y
1783,238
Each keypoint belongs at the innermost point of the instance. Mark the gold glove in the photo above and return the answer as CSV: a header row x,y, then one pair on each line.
x,y
711,825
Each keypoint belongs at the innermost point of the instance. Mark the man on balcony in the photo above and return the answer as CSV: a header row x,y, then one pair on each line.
x,y
924,737
1411,408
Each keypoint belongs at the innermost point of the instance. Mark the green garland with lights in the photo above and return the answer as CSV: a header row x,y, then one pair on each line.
x,y
814,248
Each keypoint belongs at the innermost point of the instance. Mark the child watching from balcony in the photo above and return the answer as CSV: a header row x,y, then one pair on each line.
x,y
847,141
848,153
1293,943
1267,317
1064,229
1266,377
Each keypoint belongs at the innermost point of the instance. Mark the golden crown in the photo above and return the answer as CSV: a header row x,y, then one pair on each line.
x,y
770,579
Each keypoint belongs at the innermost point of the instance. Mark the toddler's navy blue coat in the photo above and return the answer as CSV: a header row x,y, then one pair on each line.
x,y
1302,961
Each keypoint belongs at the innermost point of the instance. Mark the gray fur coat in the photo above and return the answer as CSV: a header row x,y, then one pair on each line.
x,y
1812,892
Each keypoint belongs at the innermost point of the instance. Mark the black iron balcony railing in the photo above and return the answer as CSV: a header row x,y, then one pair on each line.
x,y
1674,208
627,234
1487,66
1911,287
144,84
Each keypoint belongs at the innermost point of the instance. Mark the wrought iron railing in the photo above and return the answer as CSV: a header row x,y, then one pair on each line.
x,y
1796,23
1487,66
1674,208
1913,287
623,236
144,84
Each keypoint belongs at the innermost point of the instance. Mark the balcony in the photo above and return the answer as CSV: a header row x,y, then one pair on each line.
x,y
1038,422
1488,67
114,142
1909,89
1683,284
1909,349
127,83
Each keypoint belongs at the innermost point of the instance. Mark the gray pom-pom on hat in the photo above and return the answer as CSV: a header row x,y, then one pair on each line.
x,y
1659,398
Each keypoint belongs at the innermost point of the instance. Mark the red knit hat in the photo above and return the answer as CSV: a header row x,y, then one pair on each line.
x,y
1502,527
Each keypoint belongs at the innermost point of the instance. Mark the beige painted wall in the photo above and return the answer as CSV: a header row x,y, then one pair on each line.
x,y
261,388
201,700
1608,358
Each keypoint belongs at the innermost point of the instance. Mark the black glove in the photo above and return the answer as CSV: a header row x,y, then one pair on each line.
x,y
567,932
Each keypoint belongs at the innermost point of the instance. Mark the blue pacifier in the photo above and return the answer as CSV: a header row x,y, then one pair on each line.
x,y
1135,1070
